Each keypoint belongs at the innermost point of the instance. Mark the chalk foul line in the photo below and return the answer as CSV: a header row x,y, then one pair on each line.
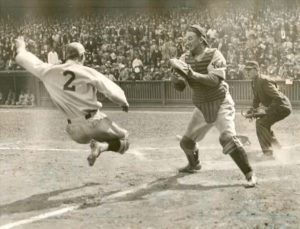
x,y
40,217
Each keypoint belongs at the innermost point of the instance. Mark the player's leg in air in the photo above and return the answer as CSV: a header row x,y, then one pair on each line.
x,y
108,136
102,134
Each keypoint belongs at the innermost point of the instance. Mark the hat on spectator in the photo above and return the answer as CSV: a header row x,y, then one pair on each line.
x,y
74,50
199,31
251,65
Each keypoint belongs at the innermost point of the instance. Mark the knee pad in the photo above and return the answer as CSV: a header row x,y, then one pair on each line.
x,y
114,145
119,146
187,143
124,145
229,142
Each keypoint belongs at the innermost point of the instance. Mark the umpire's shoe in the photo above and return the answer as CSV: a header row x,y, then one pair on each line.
x,y
192,168
95,152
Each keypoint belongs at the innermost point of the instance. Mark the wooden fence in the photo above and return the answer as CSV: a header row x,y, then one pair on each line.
x,y
143,92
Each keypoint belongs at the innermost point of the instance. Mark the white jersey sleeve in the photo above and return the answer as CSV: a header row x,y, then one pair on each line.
x,y
31,63
110,89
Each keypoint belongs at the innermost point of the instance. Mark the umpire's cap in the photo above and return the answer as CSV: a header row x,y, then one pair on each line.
x,y
74,50
251,64
200,31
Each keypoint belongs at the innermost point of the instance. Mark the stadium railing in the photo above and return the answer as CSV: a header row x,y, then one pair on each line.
x,y
144,93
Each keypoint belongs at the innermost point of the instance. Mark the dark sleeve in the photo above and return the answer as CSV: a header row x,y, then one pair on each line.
x,y
271,90
256,101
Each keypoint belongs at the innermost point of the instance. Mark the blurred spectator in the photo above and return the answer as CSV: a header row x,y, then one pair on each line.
x,y
2,63
297,63
1,98
156,56
11,98
22,98
118,35
137,68
31,99
124,73
52,57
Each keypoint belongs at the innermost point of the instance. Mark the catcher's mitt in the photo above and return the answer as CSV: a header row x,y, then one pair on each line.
x,y
254,113
180,67
178,83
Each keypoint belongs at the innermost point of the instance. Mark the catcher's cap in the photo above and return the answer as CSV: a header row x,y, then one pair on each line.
x,y
251,65
74,50
200,31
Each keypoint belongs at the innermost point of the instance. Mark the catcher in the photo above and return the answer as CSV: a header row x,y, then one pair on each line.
x,y
203,69
277,106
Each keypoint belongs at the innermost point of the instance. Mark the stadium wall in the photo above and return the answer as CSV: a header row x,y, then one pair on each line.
x,y
143,93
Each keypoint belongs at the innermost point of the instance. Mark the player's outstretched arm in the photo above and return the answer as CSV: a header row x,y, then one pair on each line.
x,y
29,61
111,90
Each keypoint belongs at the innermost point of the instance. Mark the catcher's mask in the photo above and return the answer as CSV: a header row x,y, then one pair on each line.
x,y
199,31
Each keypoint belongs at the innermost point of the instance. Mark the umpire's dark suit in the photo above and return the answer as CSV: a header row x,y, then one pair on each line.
x,y
278,107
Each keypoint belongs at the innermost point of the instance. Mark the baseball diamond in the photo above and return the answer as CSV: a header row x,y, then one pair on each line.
x,y
37,157
149,114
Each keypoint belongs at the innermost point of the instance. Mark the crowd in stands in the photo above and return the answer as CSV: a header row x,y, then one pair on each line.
x,y
136,44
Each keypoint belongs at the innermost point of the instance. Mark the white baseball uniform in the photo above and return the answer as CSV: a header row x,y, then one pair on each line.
x,y
73,89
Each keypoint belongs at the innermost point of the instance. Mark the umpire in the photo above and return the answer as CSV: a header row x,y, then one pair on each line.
x,y
277,105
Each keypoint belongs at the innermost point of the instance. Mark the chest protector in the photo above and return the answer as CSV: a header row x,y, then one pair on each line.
x,y
207,99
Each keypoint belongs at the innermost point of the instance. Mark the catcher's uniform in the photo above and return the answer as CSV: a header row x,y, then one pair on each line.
x,y
73,89
278,107
214,107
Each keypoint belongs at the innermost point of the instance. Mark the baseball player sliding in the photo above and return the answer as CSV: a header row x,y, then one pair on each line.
x,y
73,89
203,69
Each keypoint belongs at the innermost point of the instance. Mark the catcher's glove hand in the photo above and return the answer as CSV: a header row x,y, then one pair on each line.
x,y
254,113
180,67
178,82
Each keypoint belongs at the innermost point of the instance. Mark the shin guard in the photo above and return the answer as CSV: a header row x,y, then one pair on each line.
x,y
233,147
190,150
240,158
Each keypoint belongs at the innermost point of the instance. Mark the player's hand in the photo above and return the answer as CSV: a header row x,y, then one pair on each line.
x,y
251,110
20,43
191,73
125,108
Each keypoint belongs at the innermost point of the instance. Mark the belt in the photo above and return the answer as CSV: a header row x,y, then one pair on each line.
x,y
87,116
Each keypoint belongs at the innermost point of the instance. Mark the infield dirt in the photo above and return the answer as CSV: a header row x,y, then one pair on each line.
x,y
42,170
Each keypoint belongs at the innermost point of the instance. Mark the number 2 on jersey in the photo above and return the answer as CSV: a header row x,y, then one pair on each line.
x,y
67,86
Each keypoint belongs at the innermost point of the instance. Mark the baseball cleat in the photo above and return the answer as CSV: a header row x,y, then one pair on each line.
x,y
251,181
95,152
190,169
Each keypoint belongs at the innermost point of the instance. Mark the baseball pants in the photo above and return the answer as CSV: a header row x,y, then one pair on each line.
x,y
264,133
99,127
197,127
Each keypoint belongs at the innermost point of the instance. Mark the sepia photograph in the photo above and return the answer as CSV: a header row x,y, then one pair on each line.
x,y
149,114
